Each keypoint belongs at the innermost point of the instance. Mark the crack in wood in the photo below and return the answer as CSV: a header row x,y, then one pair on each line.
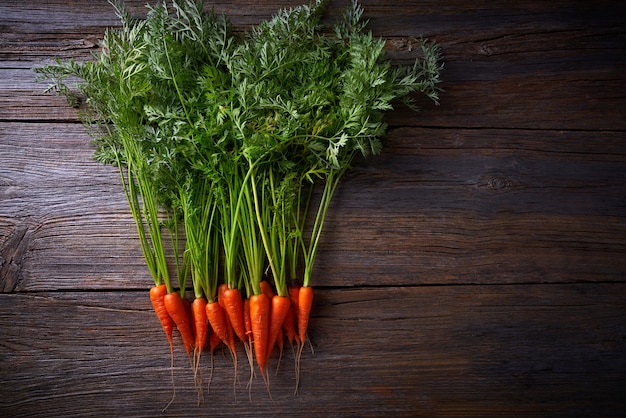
x,y
11,256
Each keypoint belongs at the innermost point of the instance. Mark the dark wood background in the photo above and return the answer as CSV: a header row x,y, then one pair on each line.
x,y
476,268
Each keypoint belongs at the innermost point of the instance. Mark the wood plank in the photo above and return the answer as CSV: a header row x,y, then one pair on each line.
x,y
62,214
473,205
584,99
461,350
531,65
475,268
438,207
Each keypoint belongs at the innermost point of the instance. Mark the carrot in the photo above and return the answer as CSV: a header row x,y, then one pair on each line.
x,y
233,305
294,291
289,325
187,306
214,341
200,324
294,295
231,333
219,324
220,293
229,327
247,322
156,297
260,316
305,302
200,328
266,289
176,308
280,341
278,311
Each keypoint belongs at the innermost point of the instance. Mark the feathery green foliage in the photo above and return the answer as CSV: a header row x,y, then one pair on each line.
x,y
228,135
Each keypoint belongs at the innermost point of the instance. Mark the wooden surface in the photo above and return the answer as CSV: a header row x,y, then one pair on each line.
x,y
476,268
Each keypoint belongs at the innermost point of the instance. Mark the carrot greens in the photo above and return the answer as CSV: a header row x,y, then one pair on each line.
x,y
240,141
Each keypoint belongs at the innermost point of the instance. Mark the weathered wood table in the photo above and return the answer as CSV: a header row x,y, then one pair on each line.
x,y
490,236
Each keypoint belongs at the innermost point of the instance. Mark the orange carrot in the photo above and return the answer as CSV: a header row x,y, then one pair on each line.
x,y
294,291
219,324
294,295
187,306
231,333
247,322
200,324
214,341
233,305
305,302
200,328
229,327
278,311
220,293
176,308
266,289
260,317
280,341
289,325
156,297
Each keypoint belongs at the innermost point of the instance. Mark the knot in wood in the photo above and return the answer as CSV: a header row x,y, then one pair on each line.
x,y
499,183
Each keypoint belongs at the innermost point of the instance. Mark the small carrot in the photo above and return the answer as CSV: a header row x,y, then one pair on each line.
x,y
222,302
305,302
156,297
289,325
294,291
176,308
220,294
233,305
294,296
214,342
187,305
266,289
280,341
278,312
231,333
200,328
260,316
200,324
247,322
219,324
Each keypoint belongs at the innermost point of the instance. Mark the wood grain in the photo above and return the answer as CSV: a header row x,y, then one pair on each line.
x,y
509,66
475,268
460,205
462,350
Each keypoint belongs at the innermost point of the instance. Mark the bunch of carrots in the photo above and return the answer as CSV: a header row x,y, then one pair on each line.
x,y
220,140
